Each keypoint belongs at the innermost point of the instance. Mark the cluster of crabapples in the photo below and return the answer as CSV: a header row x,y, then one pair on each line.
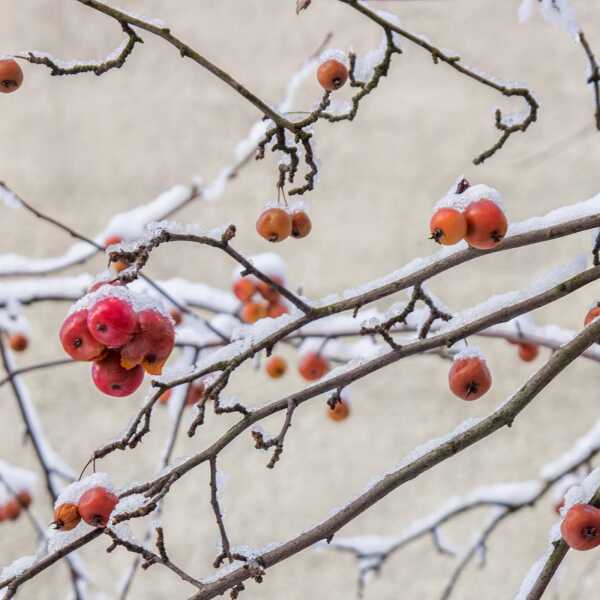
x,y
277,223
469,214
122,334
11,76
12,508
94,506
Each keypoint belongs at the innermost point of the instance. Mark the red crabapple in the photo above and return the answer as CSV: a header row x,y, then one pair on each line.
x,y
313,366
77,340
114,380
24,498
276,367
528,352
469,378
267,291
486,224
18,342
66,516
332,74
277,309
11,76
195,393
12,509
244,288
581,527
96,505
152,344
274,224
301,224
448,226
591,315
176,315
340,411
112,321
253,311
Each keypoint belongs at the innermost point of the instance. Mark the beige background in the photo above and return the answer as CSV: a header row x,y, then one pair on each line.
x,y
83,148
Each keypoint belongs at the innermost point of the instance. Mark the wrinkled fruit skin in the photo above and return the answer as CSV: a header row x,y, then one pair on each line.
x,y
113,380
77,340
469,378
66,516
244,288
339,412
11,76
96,506
253,311
313,366
301,224
151,345
112,321
528,352
581,527
592,314
448,226
486,224
276,367
332,75
274,224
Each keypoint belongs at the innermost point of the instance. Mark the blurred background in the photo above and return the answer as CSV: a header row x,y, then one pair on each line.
x,y
84,148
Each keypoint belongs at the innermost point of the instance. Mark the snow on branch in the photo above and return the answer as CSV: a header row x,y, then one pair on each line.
x,y
115,60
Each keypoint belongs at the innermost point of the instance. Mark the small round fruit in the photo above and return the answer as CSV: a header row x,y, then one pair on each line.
x,y
269,292
448,226
332,74
2,514
274,224
339,412
176,316
112,240
276,367
112,321
469,378
18,342
11,76
244,288
24,498
277,309
486,224
581,527
114,380
77,340
66,516
12,509
253,311
313,366
528,352
165,397
301,224
96,505
593,313
195,393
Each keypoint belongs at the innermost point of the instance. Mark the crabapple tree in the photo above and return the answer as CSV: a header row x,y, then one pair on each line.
x,y
184,342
